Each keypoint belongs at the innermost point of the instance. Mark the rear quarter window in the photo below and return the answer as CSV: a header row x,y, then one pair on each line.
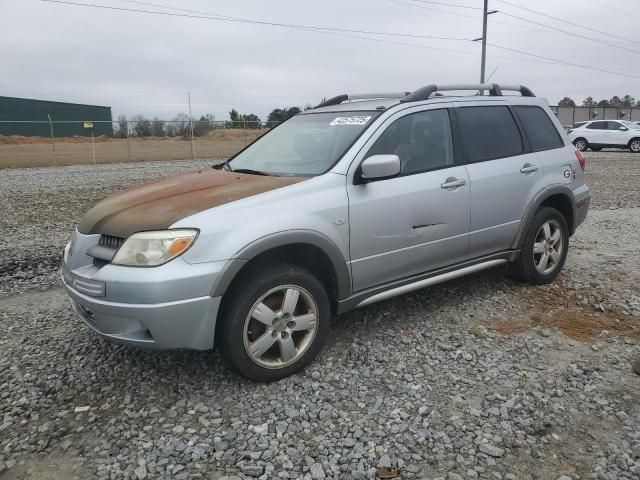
x,y
539,128
488,133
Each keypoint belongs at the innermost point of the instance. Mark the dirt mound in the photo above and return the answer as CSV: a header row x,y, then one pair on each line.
x,y
564,312
234,133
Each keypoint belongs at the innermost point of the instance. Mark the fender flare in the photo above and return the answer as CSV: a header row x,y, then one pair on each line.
x,y
535,203
280,239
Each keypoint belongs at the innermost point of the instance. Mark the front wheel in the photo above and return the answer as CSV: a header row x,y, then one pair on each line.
x,y
634,145
581,144
275,323
545,248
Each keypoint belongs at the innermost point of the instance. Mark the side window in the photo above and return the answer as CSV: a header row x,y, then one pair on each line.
x,y
597,126
489,132
614,126
540,130
422,141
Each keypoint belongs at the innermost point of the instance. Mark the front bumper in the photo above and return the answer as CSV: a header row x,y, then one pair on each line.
x,y
166,307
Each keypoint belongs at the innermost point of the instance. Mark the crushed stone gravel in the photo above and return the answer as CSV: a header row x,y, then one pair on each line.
x,y
479,377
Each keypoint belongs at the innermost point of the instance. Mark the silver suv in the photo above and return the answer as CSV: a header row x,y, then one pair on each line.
x,y
355,201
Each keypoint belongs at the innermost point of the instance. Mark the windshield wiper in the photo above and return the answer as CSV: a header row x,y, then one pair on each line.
x,y
222,166
252,172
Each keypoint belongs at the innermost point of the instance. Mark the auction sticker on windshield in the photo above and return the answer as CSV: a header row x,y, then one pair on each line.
x,y
350,121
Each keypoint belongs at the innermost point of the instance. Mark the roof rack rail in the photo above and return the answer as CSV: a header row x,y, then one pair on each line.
x,y
494,90
362,96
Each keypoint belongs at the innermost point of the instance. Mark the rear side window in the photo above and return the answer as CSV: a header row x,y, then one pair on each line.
x,y
540,130
488,133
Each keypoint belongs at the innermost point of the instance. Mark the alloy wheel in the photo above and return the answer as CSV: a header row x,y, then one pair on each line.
x,y
280,326
635,146
548,247
581,145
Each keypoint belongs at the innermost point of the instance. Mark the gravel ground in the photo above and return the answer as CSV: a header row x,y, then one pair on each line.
x,y
476,378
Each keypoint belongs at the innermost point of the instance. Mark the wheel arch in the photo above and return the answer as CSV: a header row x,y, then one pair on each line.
x,y
306,248
559,197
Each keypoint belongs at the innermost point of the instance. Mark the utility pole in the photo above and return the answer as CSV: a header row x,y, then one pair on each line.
x,y
193,149
483,61
484,40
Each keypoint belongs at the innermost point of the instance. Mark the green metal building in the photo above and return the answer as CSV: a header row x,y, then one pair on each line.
x,y
29,117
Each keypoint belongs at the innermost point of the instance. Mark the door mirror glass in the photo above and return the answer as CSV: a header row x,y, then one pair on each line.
x,y
377,167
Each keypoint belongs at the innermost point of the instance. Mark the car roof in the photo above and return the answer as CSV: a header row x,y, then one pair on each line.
x,y
383,104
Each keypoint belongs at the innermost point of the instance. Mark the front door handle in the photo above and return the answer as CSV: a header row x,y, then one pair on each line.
x,y
453,182
528,168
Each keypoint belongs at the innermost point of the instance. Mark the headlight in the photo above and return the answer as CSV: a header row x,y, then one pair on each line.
x,y
150,249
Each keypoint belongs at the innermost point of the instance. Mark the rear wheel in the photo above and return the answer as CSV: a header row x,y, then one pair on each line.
x,y
634,145
581,144
275,323
545,247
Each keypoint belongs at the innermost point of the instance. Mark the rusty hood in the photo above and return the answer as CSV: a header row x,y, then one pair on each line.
x,y
158,205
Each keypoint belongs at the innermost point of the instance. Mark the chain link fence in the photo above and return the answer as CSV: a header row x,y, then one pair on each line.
x,y
44,143
51,143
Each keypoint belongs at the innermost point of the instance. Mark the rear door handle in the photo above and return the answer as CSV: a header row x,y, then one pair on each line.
x,y
453,182
528,168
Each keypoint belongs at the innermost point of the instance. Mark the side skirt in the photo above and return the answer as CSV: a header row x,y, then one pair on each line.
x,y
406,285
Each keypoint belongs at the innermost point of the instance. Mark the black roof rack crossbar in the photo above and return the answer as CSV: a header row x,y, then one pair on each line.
x,y
362,96
494,89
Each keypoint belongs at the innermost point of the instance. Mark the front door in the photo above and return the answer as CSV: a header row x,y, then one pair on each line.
x,y
419,220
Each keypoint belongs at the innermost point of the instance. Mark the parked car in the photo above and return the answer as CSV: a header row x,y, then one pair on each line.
x,y
599,134
353,202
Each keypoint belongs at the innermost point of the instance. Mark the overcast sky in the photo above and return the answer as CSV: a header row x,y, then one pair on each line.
x,y
143,63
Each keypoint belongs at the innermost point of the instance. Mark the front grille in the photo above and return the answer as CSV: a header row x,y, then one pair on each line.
x,y
99,263
110,242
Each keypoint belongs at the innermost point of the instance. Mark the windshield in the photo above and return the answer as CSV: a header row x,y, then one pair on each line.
x,y
306,145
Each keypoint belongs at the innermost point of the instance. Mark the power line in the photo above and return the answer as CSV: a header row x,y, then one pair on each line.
x,y
614,8
258,22
392,42
458,14
571,22
448,4
566,32
586,67
335,30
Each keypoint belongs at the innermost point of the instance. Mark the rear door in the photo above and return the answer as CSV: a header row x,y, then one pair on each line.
x,y
596,132
541,131
504,174
419,220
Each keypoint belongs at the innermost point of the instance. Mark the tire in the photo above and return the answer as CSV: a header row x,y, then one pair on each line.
x,y
530,266
581,144
596,149
274,323
634,145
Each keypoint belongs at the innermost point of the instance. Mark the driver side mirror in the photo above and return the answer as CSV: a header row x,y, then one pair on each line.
x,y
379,167
624,129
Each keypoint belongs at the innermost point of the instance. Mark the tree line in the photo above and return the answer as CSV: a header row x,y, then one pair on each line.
x,y
180,125
627,101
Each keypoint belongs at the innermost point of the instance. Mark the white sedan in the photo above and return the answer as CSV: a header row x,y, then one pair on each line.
x,y
599,134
